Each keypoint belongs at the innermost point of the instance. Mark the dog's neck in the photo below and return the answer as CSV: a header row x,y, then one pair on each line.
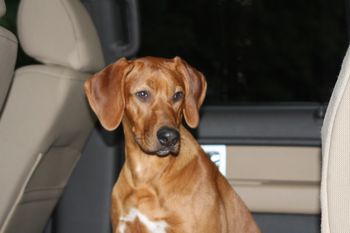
x,y
142,168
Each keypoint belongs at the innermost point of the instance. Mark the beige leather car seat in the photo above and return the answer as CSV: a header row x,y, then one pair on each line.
x,y
335,186
46,119
8,54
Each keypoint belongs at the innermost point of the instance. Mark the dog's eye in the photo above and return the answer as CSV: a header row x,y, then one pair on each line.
x,y
142,95
177,96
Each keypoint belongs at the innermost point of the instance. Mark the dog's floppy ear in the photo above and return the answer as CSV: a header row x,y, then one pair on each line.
x,y
195,88
105,92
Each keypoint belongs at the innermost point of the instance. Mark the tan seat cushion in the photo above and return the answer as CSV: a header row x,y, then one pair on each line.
x,y
43,129
335,187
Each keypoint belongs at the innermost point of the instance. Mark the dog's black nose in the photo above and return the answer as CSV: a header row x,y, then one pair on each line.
x,y
168,136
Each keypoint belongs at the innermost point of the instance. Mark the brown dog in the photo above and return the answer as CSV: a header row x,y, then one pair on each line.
x,y
167,183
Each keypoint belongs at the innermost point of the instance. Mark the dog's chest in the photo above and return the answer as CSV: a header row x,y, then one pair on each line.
x,y
142,211
136,221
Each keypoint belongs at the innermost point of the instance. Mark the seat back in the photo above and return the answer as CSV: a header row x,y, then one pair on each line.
x,y
335,185
8,48
46,119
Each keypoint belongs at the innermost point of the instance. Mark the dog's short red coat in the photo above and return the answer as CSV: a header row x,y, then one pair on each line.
x,y
183,191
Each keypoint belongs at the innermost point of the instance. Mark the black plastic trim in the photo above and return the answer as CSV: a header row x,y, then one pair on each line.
x,y
289,124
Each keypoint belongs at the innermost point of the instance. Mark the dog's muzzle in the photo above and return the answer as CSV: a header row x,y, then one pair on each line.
x,y
168,139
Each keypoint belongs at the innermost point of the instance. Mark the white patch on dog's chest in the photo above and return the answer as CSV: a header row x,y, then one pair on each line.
x,y
152,226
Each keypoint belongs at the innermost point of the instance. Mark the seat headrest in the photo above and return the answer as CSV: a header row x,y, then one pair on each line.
x,y
2,8
59,32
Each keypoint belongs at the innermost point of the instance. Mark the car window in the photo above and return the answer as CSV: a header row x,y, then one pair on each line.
x,y
251,50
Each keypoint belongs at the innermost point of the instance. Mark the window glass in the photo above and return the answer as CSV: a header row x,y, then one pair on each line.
x,y
251,50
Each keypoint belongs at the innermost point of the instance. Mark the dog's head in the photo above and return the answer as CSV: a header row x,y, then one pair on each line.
x,y
151,95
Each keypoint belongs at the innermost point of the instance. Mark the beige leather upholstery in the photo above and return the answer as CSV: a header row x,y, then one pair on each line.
x,y
335,187
46,119
8,54
66,41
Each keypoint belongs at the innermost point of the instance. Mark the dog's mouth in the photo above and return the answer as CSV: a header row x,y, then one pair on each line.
x,y
164,143
165,151
160,151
